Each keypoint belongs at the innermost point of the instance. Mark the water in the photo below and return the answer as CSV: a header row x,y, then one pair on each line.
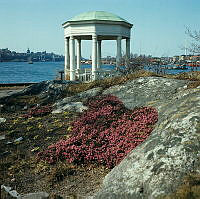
x,y
20,72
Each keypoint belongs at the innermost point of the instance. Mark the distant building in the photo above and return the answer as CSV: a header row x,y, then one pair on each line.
x,y
28,51
7,56
175,58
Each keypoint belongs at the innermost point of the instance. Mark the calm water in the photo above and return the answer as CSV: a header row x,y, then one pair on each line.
x,y
19,72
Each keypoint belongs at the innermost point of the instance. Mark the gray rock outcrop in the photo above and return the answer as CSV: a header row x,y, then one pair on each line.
x,y
158,166
46,91
147,91
74,103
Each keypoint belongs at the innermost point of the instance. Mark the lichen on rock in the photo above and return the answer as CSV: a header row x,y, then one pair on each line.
x,y
158,166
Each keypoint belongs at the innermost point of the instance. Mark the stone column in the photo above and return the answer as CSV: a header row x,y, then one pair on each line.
x,y
128,48
72,58
119,51
94,56
78,54
99,54
66,57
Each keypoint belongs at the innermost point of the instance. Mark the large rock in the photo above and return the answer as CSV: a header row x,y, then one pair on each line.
x,y
74,103
158,166
146,90
45,89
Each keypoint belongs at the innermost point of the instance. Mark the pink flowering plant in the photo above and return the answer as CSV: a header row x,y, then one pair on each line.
x,y
104,134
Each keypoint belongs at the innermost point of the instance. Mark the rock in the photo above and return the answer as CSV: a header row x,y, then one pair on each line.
x,y
9,142
18,139
37,195
159,165
7,93
2,137
14,194
90,93
11,193
2,120
146,91
73,106
46,90
74,103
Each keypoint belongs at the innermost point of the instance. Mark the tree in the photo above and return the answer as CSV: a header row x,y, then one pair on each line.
x,y
195,44
132,64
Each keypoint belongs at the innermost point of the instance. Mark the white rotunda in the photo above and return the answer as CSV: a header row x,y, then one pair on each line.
x,y
96,26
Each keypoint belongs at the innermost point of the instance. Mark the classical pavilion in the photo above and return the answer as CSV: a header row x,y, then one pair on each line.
x,y
96,26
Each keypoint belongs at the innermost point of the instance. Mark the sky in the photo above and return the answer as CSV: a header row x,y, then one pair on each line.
x,y
158,25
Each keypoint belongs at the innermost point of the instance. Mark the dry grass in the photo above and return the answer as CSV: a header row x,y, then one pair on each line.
x,y
193,84
20,168
106,83
190,188
192,76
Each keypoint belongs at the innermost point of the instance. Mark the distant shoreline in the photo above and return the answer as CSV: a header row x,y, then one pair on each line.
x,y
27,61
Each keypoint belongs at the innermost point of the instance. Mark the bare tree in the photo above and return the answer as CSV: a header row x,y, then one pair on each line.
x,y
132,64
195,44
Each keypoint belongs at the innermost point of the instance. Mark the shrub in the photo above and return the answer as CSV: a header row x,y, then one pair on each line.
x,y
104,134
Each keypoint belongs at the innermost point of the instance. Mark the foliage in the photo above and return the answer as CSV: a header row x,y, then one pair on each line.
x,y
104,134
38,111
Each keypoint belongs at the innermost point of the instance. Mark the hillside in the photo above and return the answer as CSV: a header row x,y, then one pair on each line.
x,y
165,165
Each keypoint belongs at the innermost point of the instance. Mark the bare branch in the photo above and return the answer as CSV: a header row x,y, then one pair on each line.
x,y
133,64
195,35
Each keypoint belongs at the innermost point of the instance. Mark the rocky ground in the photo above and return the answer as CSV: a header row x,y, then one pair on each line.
x,y
27,126
22,136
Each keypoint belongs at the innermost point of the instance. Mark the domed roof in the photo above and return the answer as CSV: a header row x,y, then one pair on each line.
x,y
97,15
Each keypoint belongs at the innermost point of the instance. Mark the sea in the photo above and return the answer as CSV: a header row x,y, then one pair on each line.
x,y
22,72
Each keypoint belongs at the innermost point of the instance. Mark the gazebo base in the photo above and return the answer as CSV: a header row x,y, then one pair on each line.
x,y
85,75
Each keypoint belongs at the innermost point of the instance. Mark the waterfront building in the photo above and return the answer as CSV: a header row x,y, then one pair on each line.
x,y
96,26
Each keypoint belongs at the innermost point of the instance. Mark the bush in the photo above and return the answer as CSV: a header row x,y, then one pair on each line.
x,y
104,134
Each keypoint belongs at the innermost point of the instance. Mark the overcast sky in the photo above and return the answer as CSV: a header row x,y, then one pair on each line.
x,y
158,25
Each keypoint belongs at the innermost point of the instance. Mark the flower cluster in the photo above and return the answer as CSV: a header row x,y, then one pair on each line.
x,y
38,111
104,134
